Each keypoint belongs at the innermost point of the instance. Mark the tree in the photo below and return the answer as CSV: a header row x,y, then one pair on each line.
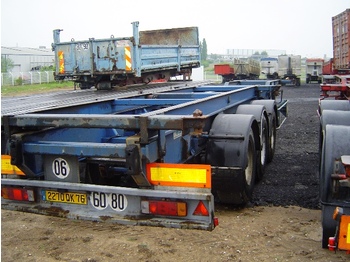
x,y
204,50
6,64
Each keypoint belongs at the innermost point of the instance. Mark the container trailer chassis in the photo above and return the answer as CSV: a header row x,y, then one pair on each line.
x,y
155,156
334,166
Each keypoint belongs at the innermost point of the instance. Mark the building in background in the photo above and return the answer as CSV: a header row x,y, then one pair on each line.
x,y
28,59
254,53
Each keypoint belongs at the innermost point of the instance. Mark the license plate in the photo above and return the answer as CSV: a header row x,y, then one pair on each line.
x,y
65,197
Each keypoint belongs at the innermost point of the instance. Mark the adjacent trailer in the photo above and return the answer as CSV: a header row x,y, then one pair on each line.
x,y
314,67
155,155
289,68
239,69
334,166
269,67
246,68
145,57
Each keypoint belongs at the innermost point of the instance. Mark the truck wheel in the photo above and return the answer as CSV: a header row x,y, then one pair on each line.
x,y
333,148
260,114
343,105
328,224
264,137
331,117
85,86
271,109
232,152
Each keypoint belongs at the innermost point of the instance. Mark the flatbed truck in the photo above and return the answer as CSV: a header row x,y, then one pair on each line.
x,y
144,57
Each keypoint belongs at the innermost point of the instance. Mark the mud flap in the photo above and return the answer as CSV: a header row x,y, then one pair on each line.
x,y
227,185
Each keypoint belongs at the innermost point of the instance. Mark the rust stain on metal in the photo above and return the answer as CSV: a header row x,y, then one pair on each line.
x,y
54,211
105,218
197,113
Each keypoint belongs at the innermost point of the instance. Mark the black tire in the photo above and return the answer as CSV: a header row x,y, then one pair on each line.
x,y
328,224
264,150
333,147
332,117
272,129
244,194
235,160
272,138
343,105
250,169
260,114
84,86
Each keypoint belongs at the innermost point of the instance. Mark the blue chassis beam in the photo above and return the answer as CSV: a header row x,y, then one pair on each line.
x,y
175,114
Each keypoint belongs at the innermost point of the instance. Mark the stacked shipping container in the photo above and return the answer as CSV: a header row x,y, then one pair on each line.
x,y
341,43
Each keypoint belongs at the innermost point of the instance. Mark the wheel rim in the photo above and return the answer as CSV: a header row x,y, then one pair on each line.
x,y
272,138
250,163
263,142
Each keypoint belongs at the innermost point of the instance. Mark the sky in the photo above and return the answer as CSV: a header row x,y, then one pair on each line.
x,y
301,27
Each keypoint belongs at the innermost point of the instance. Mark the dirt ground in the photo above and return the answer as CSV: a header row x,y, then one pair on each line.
x,y
281,224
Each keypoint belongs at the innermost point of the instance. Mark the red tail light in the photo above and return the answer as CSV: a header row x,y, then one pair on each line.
x,y
19,194
164,208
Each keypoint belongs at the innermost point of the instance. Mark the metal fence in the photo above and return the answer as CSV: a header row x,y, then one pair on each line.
x,y
26,78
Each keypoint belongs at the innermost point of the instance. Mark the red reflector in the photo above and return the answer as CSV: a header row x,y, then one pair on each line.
x,y
201,210
331,244
216,221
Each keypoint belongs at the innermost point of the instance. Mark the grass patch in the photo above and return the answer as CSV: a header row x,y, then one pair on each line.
x,y
37,88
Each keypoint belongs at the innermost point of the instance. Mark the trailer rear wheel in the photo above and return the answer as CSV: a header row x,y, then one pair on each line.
x,y
332,117
249,171
232,152
343,105
271,109
328,224
260,114
333,148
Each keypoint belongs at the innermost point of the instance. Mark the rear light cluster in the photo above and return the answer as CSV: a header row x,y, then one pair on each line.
x,y
19,194
165,208
171,208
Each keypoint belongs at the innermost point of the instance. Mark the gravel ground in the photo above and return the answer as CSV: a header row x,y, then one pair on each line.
x,y
292,177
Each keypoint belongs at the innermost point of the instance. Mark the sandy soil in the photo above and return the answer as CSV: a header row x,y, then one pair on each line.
x,y
251,234
281,224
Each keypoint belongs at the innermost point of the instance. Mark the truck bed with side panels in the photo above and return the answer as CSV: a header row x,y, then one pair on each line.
x,y
116,61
